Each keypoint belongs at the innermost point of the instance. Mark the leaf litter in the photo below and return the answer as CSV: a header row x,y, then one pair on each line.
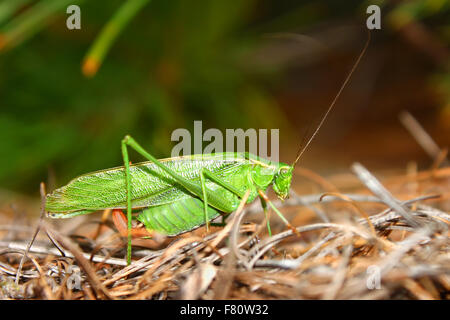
x,y
361,237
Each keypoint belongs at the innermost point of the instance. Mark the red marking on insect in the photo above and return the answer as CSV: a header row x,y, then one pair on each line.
x,y
121,223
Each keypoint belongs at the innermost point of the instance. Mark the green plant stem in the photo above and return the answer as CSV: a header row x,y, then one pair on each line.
x,y
31,22
109,33
8,8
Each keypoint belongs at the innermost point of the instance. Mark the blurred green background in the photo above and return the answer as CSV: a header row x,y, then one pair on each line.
x,y
232,64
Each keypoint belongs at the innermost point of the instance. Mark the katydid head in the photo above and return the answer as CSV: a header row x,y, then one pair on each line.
x,y
278,175
282,181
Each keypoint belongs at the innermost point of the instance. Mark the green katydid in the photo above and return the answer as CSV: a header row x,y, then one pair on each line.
x,y
173,195
177,195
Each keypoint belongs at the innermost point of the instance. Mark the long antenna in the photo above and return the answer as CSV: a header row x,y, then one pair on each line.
x,y
355,65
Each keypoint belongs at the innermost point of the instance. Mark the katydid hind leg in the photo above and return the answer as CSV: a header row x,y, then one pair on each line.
x,y
128,193
192,187
121,224
214,178
199,190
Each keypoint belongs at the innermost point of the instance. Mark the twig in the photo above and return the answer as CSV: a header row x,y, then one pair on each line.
x,y
84,263
421,136
45,250
378,189
19,269
339,278
240,213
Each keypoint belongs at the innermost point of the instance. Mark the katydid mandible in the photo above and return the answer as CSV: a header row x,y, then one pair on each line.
x,y
177,195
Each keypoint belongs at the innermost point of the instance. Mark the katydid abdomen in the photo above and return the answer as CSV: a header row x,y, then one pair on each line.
x,y
177,217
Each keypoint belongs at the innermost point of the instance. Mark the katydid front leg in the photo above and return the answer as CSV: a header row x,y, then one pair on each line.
x,y
266,199
266,214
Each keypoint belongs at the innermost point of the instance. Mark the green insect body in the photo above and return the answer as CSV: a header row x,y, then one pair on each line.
x,y
163,204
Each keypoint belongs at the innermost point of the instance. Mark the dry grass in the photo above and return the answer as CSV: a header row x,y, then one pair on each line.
x,y
360,238
348,242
